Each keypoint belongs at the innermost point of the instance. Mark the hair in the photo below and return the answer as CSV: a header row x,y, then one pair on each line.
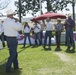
x,y
26,23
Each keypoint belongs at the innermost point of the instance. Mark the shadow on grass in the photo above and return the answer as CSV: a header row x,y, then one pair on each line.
x,y
23,48
70,51
58,49
35,46
60,45
3,60
2,70
47,49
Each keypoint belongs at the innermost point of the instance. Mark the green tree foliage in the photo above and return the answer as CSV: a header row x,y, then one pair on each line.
x,y
27,6
32,6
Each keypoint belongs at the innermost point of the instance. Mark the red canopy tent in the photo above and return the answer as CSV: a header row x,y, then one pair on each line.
x,y
51,15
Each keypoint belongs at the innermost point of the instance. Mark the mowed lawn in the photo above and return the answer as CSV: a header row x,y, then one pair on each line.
x,y
37,61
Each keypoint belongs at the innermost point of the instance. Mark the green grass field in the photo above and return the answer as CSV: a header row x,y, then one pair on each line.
x,y
37,61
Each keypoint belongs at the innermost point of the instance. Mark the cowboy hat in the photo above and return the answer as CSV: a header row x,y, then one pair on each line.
x,y
58,19
69,15
10,12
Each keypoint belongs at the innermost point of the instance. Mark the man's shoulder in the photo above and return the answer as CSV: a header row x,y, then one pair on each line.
x,y
72,19
8,19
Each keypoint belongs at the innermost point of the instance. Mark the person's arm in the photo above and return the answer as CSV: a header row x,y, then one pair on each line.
x,y
61,28
72,23
28,26
17,26
34,26
38,26
52,26
16,19
24,26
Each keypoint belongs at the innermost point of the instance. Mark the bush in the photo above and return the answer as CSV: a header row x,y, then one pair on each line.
x,y
53,33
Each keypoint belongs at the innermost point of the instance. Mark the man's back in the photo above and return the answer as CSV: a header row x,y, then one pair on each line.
x,y
11,27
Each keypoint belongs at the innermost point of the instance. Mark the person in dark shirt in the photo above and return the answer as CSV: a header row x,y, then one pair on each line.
x,y
58,29
69,25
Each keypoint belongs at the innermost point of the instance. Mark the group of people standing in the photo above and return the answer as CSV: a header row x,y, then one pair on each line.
x,y
38,29
12,26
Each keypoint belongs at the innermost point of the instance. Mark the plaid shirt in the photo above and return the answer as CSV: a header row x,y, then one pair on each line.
x,y
58,27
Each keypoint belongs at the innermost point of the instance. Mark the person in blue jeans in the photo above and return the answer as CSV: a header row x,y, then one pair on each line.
x,y
58,29
26,33
69,25
11,27
37,29
48,33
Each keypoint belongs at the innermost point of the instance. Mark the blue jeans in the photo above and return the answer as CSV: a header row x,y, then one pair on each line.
x,y
58,35
41,36
70,37
12,45
37,38
48,34
25,36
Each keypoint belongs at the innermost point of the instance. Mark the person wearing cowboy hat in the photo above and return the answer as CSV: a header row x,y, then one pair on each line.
x,y
11,28
69,25
58,29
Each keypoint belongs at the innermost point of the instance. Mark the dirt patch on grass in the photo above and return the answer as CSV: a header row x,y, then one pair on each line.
x,y
43,71
63,57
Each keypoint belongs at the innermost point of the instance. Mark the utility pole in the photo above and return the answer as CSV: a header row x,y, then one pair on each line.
x,y
40,7
20,11
73,7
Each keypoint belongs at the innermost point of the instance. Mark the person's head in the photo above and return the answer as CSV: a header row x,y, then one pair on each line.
x,y
2,21
69,16
58,20
26,23
36,22
10,13
48,19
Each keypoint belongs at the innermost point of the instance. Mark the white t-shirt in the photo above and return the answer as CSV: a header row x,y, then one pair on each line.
x,y
26,29
11,27
37,29
49,26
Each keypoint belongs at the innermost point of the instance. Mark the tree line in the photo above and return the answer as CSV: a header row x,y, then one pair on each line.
x,y
33,6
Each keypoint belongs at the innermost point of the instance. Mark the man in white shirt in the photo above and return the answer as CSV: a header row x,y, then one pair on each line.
x,y
49,28
26,33
37,29
11,28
